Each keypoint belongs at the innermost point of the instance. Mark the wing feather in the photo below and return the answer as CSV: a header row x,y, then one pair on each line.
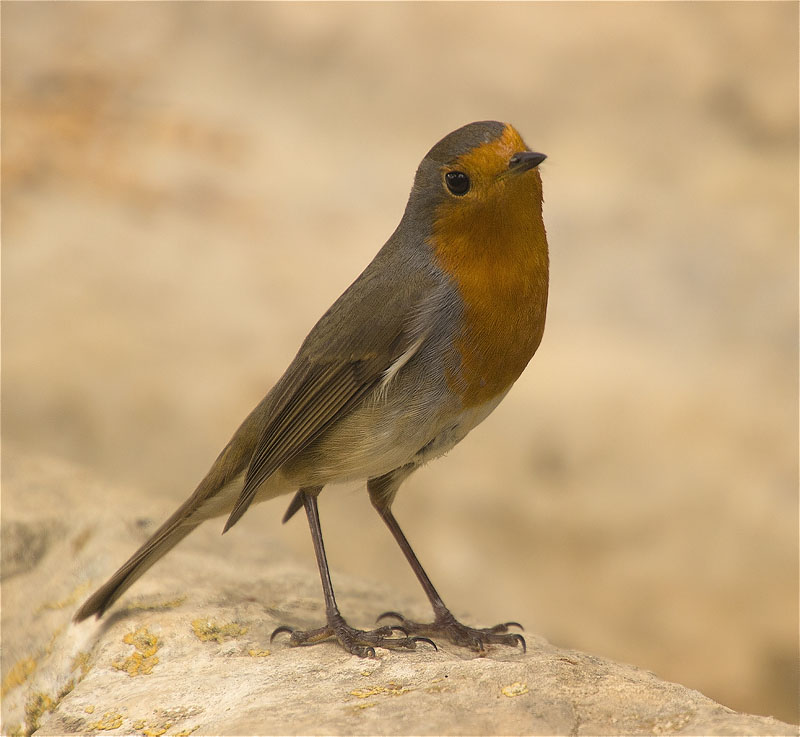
x,y
382,318
304,409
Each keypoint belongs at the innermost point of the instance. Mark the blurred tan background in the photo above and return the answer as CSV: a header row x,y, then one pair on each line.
x,y
187,187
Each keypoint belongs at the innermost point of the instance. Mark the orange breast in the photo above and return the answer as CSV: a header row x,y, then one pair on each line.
x,y
494,247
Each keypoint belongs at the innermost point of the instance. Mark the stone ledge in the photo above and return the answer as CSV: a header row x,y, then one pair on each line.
x,y
183,653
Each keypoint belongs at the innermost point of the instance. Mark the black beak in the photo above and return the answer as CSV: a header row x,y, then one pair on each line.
x,y
524,160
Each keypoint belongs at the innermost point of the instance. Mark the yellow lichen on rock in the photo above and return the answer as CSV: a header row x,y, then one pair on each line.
x,y
144,659
366,705
81,660
18,674
390,689
515,689
206,629
187,732
36,705
165,604
156,731
438,685
111,720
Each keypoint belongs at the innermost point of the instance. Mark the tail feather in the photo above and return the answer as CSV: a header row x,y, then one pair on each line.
x,y
166,537
215,496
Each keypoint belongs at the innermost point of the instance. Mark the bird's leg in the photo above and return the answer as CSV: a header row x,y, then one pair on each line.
x,y
357,642
444,623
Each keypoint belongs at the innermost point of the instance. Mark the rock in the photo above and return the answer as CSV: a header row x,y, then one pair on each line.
x,y
187,650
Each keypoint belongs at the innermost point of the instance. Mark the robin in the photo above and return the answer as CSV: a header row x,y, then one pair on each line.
x,y
419,349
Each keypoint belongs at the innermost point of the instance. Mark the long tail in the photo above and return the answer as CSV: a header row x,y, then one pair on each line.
x,y
215,496
177,527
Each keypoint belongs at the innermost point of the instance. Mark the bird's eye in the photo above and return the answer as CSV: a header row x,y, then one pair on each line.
x,y
457,182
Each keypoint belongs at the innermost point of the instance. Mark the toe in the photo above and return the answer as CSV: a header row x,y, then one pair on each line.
x,y
391,615
280,630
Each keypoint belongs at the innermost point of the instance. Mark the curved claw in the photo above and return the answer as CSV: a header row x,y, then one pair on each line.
x,y
279,630
369,652
425,639
398,628
395,615
500,628
521,640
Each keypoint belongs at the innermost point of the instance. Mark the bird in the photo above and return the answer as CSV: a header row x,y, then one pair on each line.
x,y
415,353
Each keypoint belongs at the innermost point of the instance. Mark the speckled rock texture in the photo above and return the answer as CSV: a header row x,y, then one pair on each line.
x,y
187,650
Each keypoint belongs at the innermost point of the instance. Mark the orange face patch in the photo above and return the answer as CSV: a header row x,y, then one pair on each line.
x,y
485,163
492,242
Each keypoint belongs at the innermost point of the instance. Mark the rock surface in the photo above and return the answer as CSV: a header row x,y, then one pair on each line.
x,y
187,651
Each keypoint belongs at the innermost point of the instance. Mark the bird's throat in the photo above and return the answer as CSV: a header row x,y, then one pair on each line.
x,y
497,256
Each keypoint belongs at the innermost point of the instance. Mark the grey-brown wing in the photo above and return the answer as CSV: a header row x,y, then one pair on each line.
x,y
311,396
374,323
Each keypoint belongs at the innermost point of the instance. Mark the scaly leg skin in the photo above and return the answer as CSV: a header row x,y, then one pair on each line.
x,y
354,641
446,625
381,491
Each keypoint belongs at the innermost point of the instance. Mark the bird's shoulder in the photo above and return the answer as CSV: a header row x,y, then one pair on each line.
x,y
380,322
399,295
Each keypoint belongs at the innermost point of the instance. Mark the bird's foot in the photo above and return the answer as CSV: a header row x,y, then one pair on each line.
x,y
446,625
354,641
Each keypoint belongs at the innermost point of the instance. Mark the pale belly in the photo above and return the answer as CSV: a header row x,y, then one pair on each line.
x,y
376,440
363,447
